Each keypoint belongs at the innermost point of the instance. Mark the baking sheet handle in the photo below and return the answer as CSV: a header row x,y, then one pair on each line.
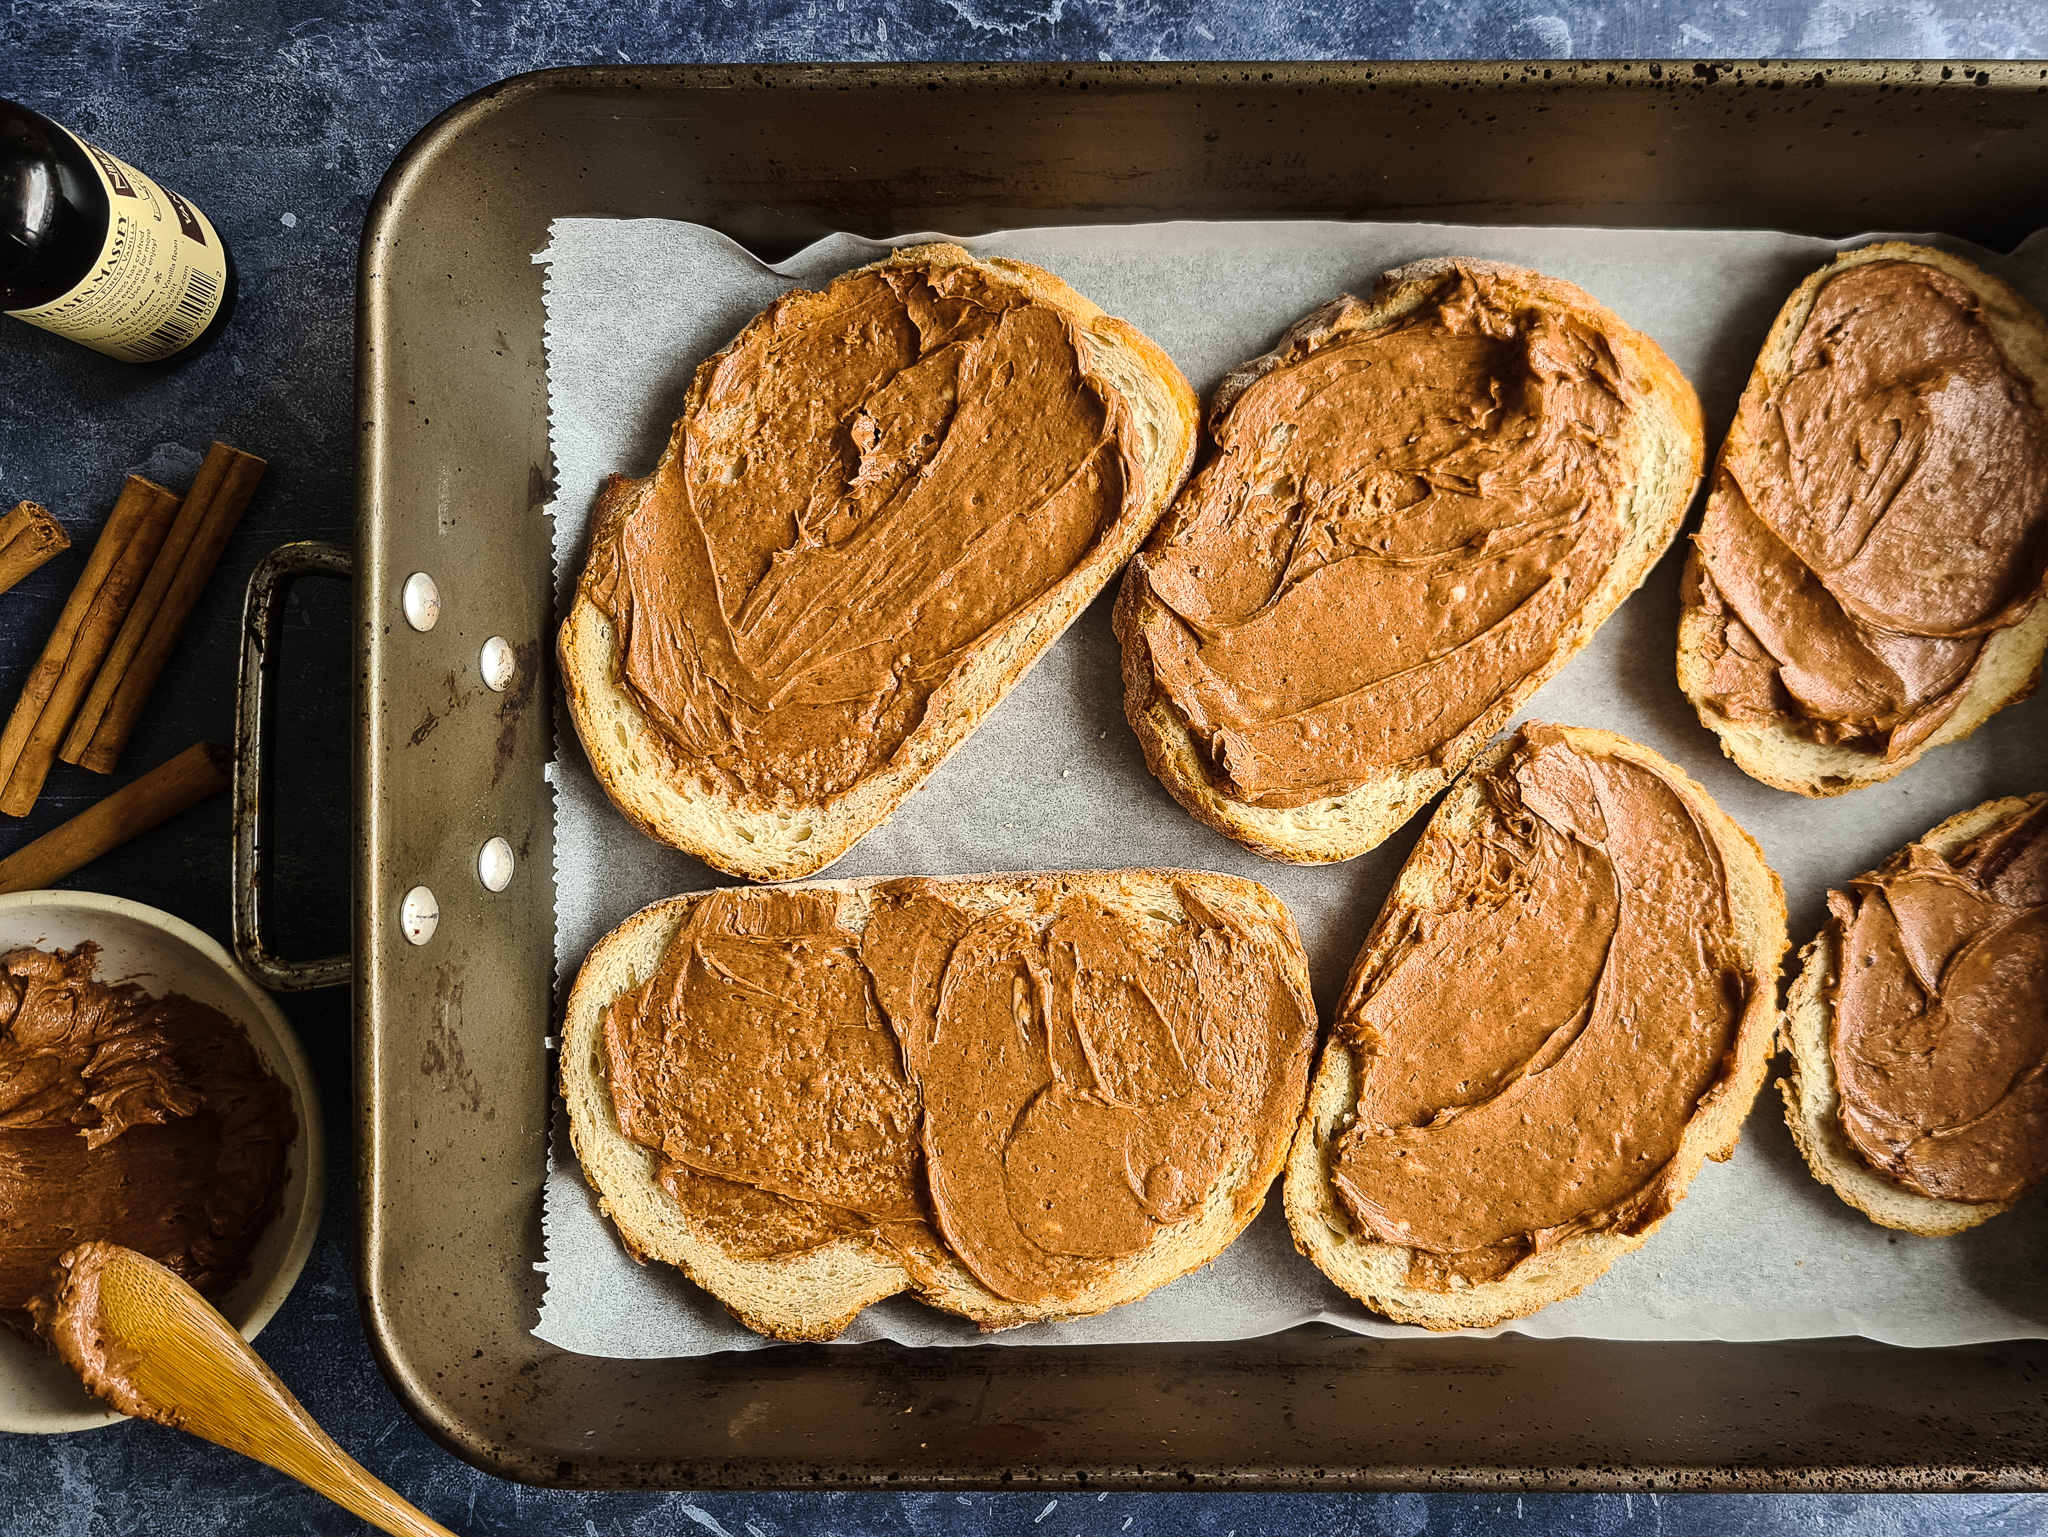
x,y
262,618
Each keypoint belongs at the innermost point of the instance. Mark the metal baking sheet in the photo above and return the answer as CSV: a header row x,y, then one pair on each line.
x,y
453,1076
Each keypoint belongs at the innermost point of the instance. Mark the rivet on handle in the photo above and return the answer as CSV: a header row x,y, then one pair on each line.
x,y
419,915
494,865
421,600
497,664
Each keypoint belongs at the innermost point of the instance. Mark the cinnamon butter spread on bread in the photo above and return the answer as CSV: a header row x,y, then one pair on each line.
x,y
150,1122
880,504
1867,580
1419,507
1021,1097
1919,1028
1565,1006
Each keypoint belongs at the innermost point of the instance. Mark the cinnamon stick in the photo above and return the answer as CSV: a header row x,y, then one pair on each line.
x,y
28,537
89,647
142,503
163,792
192,549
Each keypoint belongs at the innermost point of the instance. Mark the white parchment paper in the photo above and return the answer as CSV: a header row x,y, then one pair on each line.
x,y
1054,779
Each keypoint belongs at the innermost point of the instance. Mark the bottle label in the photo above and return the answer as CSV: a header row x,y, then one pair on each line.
x,y
160,277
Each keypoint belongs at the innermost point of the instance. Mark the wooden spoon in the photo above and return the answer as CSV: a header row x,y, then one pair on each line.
x,y
154,1348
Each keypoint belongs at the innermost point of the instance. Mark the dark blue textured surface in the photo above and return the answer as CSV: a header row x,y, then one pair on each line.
x,y
279,117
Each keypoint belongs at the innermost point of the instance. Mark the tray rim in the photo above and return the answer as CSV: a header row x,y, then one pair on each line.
x,y
473,116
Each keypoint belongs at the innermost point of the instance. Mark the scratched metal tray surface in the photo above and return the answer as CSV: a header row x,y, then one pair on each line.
x,y
453,1076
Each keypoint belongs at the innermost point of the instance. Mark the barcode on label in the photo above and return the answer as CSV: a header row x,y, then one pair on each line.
x,y
187,320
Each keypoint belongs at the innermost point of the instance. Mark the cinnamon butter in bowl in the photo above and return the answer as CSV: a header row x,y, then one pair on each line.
x,y
152,1094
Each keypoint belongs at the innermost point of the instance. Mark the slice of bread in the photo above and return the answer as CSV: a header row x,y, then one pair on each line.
x,y
814,1291
778,833
1659,451
2010,665
1431,888
1812,1093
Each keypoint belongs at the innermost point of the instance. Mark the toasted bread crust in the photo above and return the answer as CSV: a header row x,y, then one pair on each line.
x,y
815,1294
763,839
1812,1093
1664,446
1376,1272
2011,666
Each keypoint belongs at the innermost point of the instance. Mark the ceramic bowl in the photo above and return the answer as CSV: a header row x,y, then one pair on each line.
x,y
167,955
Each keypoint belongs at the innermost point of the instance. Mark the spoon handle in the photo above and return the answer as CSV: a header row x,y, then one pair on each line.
x,y
232,1398
191,1369
285,1436
332,1472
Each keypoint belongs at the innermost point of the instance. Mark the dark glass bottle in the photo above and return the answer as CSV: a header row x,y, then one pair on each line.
x,y
96,251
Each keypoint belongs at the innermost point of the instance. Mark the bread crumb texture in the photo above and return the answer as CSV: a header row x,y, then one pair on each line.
x,y
1918,1027
1021,1098
1420,506
1566,1005
1896,409
882,502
